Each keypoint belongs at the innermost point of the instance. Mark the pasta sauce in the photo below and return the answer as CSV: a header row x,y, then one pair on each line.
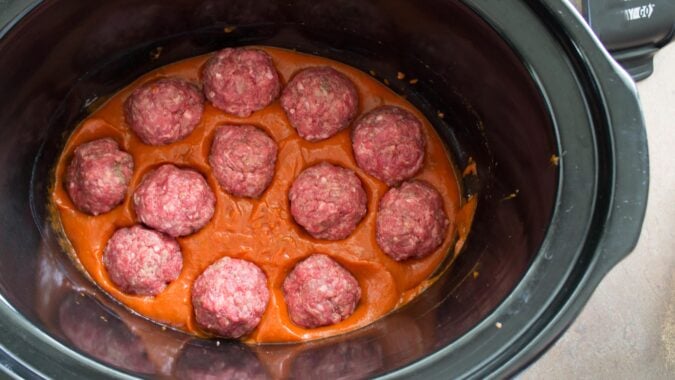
x,y
262,230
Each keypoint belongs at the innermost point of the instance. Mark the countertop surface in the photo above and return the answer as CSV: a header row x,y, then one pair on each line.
x,y
627,329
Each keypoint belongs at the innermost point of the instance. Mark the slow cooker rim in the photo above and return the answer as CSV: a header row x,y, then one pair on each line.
x,y
486,329
593,273
615,93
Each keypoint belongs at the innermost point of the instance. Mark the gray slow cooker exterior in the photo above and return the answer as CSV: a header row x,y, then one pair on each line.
x,y
599,207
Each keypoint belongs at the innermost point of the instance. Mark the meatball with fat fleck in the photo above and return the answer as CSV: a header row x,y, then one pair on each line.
x,y
230,297
319,102
98,176
411,221
174,201
328,201
164,111
320,292
142,261
389,144
240,81
242,159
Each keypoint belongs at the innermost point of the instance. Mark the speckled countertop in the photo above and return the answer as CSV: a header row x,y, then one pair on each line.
x,y
627,329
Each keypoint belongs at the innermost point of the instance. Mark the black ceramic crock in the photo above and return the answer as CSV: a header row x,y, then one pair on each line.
x,y
525,90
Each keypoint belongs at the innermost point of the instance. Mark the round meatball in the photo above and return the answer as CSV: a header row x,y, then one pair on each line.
x,y
320,102
328,201
240,81
230,297
141,261
98,176
164,111
320,292
411,222
388,144
175,201
242,159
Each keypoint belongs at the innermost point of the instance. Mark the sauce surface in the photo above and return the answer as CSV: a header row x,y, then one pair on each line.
x,y
262,230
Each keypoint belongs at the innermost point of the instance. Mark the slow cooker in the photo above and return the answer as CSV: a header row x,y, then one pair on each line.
x,y
526,92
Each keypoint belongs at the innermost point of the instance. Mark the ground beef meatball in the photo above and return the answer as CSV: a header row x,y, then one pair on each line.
x,y
240,81
98,176
320,292
230,297
242,159
388,144
411,222
164,111
320,102
141,261
328,201
175,201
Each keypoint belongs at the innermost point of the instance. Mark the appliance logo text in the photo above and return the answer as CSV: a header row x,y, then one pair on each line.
x,y
636,13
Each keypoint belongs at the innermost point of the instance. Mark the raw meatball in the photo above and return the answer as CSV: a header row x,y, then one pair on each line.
x,y
141,261
98,176
164,111
240,81
328,201
320,292
411,222
320,102
175,201
388,144
242,158
230,297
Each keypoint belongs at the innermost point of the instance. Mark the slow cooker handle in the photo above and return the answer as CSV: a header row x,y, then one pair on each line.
x,y
629,156
632,31
630,165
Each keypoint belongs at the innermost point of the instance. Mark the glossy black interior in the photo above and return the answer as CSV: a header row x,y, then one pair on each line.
x,y
66,56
